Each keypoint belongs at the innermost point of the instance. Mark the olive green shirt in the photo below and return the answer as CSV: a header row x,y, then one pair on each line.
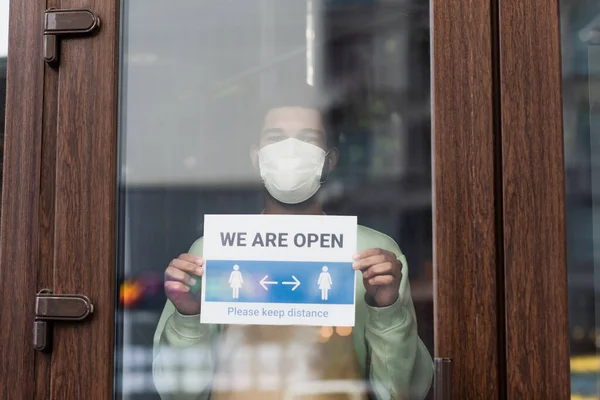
x,y
388,348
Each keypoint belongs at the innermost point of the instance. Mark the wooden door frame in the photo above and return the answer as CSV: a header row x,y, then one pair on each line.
x,y
55,222
468,327
59,203
533,199
20,200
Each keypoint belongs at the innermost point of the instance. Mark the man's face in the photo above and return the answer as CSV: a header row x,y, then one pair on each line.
x,y
293,122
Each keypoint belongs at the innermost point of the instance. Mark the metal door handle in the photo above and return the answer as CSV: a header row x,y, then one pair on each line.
x,y
66,23
51,307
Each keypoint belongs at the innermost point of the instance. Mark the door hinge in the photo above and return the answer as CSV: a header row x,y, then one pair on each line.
x,y
51,307
442,386
66,23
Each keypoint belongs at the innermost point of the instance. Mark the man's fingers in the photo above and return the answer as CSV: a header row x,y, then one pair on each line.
x,y
177,275
199,261
386,268
187,266
175,289
381,280
372,252
368,262
380,258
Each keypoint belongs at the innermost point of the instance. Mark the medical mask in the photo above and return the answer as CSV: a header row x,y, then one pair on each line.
x,y
291,169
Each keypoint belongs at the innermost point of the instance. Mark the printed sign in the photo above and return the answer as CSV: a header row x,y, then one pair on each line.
x,y
279,270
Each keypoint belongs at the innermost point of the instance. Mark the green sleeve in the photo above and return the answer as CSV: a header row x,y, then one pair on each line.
x,y
183,352
400,365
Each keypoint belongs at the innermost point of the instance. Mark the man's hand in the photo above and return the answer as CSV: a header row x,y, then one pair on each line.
x,y
382,273
178,277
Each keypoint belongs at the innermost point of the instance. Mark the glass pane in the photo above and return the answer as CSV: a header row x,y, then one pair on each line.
x,y
580,22
225,106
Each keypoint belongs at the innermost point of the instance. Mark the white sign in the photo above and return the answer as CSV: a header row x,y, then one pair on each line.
x,y
279,270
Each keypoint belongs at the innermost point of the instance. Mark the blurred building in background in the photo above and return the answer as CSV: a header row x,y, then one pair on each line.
x,y
580,36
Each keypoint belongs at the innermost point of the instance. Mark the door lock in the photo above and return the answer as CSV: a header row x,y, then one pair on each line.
x,y
66,23
51,307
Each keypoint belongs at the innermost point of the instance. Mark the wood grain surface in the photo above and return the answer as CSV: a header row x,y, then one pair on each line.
x,y
85,205
537,348
465,251
20,200
45,278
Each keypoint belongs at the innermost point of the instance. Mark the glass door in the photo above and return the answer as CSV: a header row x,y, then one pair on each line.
x,y
172,112
216,97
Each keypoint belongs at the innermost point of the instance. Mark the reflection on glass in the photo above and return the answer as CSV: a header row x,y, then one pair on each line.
x,y
3,53
214,96
580,22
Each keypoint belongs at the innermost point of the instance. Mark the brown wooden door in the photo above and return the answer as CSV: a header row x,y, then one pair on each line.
x,y
62,220
533,201
59,204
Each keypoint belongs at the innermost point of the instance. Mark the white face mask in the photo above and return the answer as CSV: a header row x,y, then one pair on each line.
x,y
291,169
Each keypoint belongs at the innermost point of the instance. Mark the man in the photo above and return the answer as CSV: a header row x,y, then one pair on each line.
x,y
295,154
